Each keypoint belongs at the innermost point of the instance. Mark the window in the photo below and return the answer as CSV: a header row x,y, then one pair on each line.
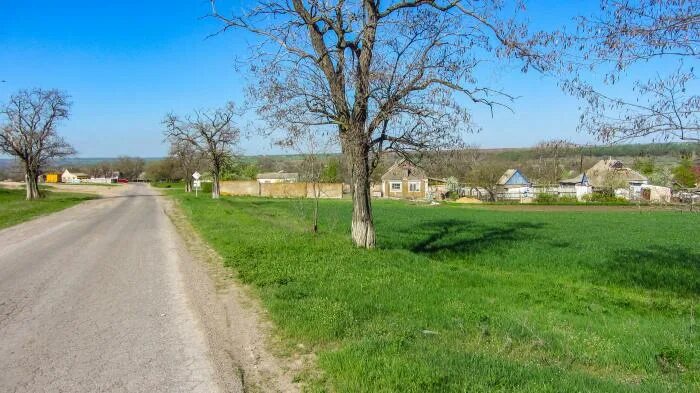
x,y
414,186
395,186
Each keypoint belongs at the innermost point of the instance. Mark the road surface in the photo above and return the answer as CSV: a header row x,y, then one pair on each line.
x,y
92,299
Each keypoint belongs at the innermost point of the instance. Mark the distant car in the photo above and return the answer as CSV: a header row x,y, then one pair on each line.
x,y
122,180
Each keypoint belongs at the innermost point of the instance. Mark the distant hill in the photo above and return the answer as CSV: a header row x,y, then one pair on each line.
x,y
74,161
674,149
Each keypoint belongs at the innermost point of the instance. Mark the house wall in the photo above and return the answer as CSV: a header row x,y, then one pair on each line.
x,y
656,194
405,193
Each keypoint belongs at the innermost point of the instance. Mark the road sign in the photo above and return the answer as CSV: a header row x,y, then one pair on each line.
x,y
196,175
197,184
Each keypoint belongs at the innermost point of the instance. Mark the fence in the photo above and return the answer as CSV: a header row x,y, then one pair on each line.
x,y
282,190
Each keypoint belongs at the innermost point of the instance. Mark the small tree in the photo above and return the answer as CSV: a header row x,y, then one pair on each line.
x,y
312,147
188,158
485,175
683,174
213,133
29,133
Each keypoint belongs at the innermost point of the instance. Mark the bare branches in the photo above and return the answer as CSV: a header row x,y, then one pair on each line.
x,y
29,132
645,33
383,75
213,133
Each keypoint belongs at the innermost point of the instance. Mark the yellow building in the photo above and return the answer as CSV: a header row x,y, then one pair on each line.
x,y
52,177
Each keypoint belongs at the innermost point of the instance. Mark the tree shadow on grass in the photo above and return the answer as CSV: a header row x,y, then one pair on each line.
x,y
454,237
672,269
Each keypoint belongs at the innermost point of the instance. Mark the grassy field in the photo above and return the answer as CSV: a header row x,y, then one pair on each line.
x,y
470,299
15,209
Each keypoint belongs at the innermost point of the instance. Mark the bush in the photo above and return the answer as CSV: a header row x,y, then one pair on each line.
x,y
546,198
604,197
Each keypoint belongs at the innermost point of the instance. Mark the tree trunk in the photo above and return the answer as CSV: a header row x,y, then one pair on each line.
x,y
215,190
188,185
363,234
317,195
32,187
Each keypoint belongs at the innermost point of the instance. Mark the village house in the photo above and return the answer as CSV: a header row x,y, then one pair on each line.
x,y
575,187
405,180
513,185
73,177
606,174
277,177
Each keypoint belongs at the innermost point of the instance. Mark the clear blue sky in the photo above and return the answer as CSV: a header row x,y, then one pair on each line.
x,y
127,63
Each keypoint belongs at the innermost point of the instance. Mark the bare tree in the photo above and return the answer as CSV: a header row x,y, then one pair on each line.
x,y
30,132
312,147
130,167
485,175
550,154
213,133
188,159
626,33
381,75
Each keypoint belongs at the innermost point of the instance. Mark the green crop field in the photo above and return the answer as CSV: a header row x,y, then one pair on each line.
x,y
459,299
15,209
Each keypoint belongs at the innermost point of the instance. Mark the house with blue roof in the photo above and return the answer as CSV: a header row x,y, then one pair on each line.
x,y
514,185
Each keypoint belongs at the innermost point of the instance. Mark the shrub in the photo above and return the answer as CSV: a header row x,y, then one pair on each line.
x,y
546,198
603,197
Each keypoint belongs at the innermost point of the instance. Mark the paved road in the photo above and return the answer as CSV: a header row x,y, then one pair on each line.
x,y
92,299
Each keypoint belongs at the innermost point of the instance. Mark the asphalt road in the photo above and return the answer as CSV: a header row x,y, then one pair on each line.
x,y
92,299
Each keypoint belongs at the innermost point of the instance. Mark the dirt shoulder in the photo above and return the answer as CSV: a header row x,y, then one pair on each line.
x,y
101,190
237,329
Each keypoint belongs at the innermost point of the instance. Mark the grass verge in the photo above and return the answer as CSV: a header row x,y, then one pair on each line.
x,y
14,209
472,300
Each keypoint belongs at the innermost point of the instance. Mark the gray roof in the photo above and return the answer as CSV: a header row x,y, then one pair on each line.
x,y
281,175
598,172
574,180
506,176
404,170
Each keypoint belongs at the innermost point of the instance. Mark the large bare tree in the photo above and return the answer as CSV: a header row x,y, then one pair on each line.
x,y
29,132
381,74
660,34
211,132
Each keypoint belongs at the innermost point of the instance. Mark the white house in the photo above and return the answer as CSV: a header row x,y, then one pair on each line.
x,y
576,186
73,177
513,185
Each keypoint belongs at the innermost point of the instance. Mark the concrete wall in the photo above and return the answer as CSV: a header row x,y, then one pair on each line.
x,y
240,188
325,190
281,190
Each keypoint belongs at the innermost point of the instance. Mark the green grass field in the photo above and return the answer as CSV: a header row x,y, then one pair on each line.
x,y
460,299
15,209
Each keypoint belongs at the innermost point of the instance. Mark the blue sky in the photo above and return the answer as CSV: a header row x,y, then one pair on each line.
x,y
127,63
